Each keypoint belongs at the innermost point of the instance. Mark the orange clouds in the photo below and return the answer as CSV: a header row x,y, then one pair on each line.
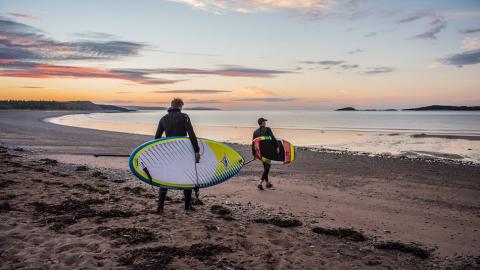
x,y
43,71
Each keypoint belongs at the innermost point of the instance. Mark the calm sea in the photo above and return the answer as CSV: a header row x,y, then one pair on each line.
x,y
372,132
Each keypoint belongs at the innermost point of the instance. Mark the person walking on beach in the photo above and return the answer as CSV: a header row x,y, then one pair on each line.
x,y
176,123
263,130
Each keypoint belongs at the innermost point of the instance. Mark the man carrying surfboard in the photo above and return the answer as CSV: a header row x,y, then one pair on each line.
x,y
176,123
263,130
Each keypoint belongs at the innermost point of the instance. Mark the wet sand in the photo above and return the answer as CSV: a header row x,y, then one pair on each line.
x,y
61,207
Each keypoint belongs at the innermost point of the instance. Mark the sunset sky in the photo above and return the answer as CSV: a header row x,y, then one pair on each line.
x,y
242,54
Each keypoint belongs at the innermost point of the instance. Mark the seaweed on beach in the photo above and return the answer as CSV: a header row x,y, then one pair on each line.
x,y
115,213
467,262
70,211
7,197
7,183
150,258
99,174
411,248
135,190
174,200
87,187
280,222
79,209
128,235
138,191
118,181
220,210
93,201
61,222
13,163
344,233
59,174
60,217
203,252
7,156
5,207
48,161
53,183
81,168
161,256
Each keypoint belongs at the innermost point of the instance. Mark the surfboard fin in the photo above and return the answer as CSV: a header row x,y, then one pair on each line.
x,y
145,169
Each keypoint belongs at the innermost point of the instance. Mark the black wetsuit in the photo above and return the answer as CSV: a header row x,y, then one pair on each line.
x,y
176,123
271,148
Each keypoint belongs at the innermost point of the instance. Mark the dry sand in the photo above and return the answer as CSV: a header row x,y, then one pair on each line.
x,y
327,210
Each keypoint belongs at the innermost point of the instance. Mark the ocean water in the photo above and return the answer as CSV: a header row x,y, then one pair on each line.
x,y
370,132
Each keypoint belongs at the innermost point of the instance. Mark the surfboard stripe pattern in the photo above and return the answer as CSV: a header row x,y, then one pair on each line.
x,y
289,151
170,163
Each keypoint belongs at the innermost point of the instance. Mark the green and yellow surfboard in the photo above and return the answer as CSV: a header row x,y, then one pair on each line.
x,y
170,163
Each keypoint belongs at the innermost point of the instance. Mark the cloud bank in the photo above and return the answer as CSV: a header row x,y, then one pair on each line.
x,y
193,91
436,24
471,57
219,6
469,31
340,65
379,70
267,99
19,69
43,71
21,41
22,15
26,52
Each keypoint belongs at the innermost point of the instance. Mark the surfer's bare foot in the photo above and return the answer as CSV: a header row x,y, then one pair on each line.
x,y
269,185
260,187
159,211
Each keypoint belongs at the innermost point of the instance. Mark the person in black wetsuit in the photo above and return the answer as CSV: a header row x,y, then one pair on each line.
x,y
263,130
176,123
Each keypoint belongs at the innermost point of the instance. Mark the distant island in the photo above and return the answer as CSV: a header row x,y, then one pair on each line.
x,y
427,108
368,110
346,109
445,108
57,105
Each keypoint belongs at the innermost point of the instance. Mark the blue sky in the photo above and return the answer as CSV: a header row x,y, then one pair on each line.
x,y
247,54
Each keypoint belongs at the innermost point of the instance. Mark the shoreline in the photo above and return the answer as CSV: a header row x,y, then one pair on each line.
x,y
387,132
435,204
355,148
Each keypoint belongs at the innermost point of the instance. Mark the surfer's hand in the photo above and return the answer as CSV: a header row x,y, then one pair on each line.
x,y
197,157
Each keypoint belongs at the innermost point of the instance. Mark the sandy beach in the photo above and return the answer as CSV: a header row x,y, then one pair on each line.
x,y
60,207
